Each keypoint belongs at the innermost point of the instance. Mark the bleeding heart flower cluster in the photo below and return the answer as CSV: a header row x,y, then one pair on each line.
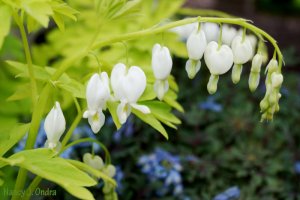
x,y
225,48
127,87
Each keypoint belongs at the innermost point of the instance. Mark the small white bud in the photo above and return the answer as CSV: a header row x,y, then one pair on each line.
x,y
192,67
212,85
276,79
55,125
236,73
161,62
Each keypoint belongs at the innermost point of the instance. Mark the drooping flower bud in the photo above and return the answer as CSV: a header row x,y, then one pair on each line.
x,y
192,67
93,160
242,50
276,79
236,73
162,66
97,94
55,125
196,45
255,72
128,86
218,59
212,85
161,62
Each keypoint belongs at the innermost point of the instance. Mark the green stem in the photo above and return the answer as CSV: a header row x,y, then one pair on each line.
x,y
107,155
34,92
220,37
28,192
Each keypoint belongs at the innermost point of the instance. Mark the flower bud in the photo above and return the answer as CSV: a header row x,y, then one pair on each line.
x,y
236,73
253,81
242,50
218,59
192,67
161,62
256,63
110,170
276,79
264,105
212,85
94,161
272,66
196,45
55,125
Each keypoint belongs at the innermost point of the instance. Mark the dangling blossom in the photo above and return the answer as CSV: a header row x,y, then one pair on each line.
x,y
196,45
161,66
97,94
219,60
255,72
242,53
128,86
93,160
184,31
55,125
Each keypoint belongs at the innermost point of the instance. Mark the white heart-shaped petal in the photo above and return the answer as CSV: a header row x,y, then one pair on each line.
x,y
161,62
196,45
97,91
116,79
94,161
134,84
218,60
242,50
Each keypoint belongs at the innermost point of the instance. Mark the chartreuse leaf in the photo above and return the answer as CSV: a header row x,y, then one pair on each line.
x,y
39,10
126,9
5,21
43,163
162,111
61,11
112,107
84,167
9,137
148,94
170,98
152,121
76,88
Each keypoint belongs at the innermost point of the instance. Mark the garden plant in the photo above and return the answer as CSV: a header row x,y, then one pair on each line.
x,y
77,75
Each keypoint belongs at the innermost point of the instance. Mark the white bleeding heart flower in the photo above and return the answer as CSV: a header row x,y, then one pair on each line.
x,y
128,86
211,31
93,160
55,125
276,79
97,94
228,33
196,44
161,66
242,50
218,60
